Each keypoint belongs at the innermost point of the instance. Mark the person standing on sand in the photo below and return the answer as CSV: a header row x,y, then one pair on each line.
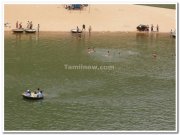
x,y
17,25
38,27
83,27
90,29
157,27
152,27
147,27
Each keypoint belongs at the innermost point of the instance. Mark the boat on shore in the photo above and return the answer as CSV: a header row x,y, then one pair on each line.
x,y
30,30
174,34
76,31
142,27
32,95
18,30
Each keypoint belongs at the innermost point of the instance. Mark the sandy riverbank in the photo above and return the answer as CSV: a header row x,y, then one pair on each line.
x,y
119,17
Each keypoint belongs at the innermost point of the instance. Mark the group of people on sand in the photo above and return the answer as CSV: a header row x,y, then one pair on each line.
x,y
152,28
37,93
84,28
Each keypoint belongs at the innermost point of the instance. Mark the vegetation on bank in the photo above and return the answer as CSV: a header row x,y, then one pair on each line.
x,y
169,6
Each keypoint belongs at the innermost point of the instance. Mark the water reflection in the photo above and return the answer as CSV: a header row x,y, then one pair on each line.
x,y
18,37
27,36
76,35
33,101
145,35
141,36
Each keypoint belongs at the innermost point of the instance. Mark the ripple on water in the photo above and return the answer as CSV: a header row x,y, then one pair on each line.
x,y
114,55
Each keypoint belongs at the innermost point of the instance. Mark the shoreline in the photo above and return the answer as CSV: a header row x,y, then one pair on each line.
x,y
86,32
101,17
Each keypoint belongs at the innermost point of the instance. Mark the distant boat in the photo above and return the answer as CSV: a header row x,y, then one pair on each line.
x,y
32,96
75,31
30,30
18,30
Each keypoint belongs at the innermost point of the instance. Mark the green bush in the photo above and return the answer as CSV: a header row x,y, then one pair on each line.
x,y
170,6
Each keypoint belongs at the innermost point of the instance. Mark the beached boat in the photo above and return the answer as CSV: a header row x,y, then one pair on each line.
x,y
142,27
76,31
30,30
32,96
18,30
174,34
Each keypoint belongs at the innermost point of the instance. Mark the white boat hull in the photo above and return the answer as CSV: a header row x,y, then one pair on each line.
x,y
30,30
75,31
18,30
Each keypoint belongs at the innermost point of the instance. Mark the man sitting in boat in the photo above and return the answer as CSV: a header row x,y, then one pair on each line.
x,y
39,94
28,93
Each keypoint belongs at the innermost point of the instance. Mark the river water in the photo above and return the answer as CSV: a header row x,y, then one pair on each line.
x,y
138,93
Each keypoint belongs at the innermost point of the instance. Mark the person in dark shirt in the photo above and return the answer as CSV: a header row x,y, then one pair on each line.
x,y
83,27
